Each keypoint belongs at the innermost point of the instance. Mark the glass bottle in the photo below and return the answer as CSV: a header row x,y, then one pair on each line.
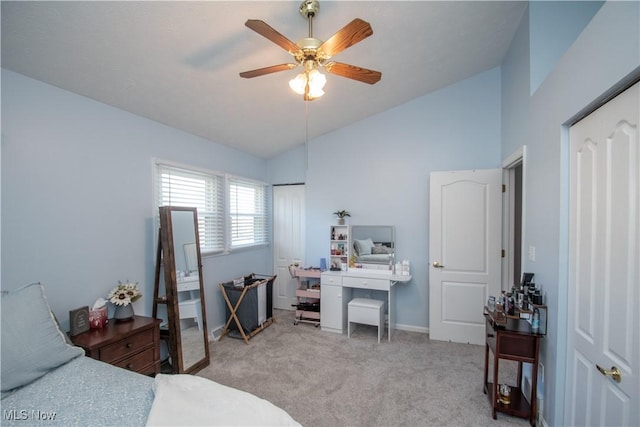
x,y
535,323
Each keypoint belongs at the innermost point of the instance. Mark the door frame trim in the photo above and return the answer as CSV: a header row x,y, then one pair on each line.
x,y
518,157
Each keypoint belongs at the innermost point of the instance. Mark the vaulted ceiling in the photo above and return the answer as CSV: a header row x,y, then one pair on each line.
x,y
178,62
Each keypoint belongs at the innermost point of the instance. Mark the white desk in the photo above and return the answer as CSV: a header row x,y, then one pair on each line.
x,y
189,299
336,289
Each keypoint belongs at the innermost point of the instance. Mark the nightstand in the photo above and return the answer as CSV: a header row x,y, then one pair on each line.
x,y
133,345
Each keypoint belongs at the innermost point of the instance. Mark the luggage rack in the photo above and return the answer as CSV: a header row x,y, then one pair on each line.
x,y
245,317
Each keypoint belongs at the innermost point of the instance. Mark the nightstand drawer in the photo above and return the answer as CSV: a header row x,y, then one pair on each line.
x,y
517,347
127,346
138,361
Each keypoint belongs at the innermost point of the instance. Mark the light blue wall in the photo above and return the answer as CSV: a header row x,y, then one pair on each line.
x,y
555,25
605,52
77,206
288,168
378,169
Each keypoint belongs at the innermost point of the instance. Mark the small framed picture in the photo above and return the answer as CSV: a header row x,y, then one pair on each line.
x,y
79,320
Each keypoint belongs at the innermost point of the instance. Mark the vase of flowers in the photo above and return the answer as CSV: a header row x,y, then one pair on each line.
x,y
341,215
122,296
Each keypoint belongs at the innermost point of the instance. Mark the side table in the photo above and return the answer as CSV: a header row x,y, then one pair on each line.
x,y
512,340
133,345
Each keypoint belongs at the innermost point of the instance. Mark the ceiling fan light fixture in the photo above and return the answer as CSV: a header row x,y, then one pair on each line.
x,y
315,81
298,83
315,93
312,53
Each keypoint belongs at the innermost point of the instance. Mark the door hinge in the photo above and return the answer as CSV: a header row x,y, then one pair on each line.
x,y
503,253
504,188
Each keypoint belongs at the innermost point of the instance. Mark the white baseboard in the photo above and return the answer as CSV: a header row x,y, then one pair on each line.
x,y
412,328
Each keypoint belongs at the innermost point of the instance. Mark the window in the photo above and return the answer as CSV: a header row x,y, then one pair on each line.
x,y
248,213
189,188
243,218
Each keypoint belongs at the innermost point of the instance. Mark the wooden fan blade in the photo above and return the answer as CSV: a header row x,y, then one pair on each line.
x,y
352,33
265,30
267,70
352,72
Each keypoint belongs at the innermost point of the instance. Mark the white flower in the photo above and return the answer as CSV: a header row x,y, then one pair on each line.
x,y
124,294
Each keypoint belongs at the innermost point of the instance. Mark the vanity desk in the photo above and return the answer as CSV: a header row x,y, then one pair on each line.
x,y
336,292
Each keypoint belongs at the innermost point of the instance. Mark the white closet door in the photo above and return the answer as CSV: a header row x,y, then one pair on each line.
x,y
604,264
288,241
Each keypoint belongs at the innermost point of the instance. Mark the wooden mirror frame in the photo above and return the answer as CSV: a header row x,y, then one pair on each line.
x,y
167,250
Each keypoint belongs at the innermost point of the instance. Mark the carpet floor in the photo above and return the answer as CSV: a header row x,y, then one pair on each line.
x,y
325,379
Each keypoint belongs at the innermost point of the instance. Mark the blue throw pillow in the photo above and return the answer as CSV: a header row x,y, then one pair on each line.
x,y
32,342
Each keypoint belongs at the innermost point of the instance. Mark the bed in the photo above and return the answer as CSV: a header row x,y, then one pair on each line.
x,y
48,381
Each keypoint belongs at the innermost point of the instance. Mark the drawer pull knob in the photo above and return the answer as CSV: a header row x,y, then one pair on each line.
x,y
129,345
129,366
490,335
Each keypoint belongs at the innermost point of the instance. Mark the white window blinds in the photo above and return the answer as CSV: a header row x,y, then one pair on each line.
x,y
176,186
248,212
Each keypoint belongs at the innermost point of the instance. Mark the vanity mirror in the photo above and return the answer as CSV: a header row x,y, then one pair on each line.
x,y
179,254
373,246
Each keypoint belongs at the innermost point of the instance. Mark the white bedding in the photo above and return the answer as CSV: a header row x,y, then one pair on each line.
x,y
187,400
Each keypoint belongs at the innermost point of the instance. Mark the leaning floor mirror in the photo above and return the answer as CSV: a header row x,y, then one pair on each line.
x,y
179,255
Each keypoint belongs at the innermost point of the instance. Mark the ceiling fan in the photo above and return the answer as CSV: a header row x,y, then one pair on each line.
x,y
312,53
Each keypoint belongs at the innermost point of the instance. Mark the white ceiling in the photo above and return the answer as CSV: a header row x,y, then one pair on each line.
x,y
177,62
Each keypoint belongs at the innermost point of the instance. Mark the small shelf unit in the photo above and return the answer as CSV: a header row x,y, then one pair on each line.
x,y
339,244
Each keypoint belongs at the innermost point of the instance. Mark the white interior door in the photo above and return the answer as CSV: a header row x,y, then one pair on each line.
x,y
288,241
604,259
465,218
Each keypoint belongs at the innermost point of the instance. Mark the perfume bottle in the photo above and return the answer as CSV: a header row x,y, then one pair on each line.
x,y
535,322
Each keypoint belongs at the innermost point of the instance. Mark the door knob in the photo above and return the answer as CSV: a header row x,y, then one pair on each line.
x,y
613,373
436,264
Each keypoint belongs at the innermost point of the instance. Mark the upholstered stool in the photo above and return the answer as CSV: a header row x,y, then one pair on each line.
x,y
368,312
